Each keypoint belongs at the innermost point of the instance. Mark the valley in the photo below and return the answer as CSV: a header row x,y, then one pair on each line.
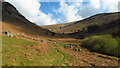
x,y
91,42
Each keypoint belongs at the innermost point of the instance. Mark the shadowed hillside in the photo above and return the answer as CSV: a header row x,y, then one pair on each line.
x,y
106,23
16,23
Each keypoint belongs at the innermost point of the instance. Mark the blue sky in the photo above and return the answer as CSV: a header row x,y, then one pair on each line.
x,y
47,7
50,12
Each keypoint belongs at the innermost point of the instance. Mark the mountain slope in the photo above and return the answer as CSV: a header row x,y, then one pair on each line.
x,y
99,19
16,23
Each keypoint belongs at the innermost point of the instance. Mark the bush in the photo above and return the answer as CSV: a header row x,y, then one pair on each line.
x,y
103,44
117,50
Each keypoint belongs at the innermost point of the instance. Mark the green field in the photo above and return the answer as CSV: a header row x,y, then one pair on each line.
x,y
15,54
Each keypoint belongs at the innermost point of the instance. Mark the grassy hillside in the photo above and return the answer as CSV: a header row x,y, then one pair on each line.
x,y
56,27
18,52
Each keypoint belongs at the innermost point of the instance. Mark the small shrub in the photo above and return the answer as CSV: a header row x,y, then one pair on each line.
x,y
103,44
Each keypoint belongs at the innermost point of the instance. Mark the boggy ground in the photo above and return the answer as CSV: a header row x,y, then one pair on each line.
x,y
51,52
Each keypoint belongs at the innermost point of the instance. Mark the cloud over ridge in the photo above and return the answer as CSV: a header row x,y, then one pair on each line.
x,y
68,11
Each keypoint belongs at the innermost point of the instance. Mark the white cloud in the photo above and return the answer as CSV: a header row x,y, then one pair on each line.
x,y
92,8
44,19
95,4
98,6
30,9
69,12
75,10
111,5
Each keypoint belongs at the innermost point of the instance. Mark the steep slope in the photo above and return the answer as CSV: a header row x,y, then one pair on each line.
x,y
12,20
99,19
